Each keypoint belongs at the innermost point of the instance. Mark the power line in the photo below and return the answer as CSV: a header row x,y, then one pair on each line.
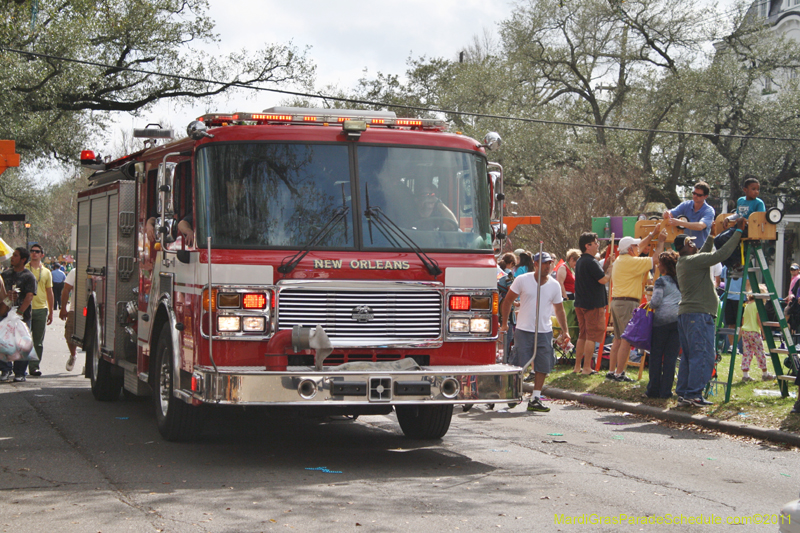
x,y
398,106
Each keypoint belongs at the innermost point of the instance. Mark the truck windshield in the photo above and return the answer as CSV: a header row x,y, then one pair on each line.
x,y
439,198
282,194
272,194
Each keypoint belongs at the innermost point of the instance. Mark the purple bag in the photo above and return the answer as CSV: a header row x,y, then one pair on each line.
x,y
639,330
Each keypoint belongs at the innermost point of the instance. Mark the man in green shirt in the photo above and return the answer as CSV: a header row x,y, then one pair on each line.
x,y
697,311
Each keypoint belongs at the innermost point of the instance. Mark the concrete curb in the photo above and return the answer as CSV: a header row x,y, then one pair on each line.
x,y
735,428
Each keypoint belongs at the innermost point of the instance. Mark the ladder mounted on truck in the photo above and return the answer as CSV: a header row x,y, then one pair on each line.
x,y
754,261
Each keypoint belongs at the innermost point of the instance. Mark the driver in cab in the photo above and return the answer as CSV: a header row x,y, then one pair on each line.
x,y
431,211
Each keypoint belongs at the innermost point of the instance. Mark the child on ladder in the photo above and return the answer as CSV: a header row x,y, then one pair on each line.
x,y
752,340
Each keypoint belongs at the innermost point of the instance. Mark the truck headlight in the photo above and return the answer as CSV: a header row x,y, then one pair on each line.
x,y
254,323
480,325
459,325
229,323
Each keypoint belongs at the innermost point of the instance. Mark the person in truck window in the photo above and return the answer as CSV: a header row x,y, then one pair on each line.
x,y
183,204
185,228
429,206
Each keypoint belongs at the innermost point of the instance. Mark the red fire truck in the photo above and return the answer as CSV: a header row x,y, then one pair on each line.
x,y
335,261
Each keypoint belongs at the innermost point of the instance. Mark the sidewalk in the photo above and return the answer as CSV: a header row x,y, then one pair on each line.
x,y
599,393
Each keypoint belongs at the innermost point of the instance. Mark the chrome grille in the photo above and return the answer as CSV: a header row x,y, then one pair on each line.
x,y
405,316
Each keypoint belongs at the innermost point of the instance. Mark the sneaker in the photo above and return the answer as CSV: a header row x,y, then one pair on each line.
x,y
747,379
70,363
6,376
35,373
683,401
767,376
611,376
530,378
700,402
623,378
19,379
535,405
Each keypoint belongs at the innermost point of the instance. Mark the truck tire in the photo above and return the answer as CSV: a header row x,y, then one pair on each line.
x,y
176,419
424,422
106,384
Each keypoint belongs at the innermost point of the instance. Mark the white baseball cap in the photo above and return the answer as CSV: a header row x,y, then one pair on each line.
x,y
627,242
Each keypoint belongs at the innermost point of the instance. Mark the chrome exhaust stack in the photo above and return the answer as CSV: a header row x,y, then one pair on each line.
x,y
450,388
307,389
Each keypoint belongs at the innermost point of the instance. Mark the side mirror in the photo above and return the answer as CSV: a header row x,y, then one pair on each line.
x,y
166,177
492,141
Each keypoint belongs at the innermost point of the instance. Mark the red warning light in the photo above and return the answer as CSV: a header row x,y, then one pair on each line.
x,y
255,300
459,303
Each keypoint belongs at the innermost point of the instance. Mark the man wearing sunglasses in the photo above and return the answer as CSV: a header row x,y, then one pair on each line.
x,y
698,213
42,305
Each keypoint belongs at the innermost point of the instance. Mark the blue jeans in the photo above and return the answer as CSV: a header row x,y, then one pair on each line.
x,y
696,332
663,356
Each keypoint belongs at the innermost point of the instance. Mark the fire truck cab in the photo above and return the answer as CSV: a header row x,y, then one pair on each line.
x,y
338,261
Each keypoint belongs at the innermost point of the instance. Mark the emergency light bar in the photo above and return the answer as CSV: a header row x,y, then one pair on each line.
x,y
321,117
91,160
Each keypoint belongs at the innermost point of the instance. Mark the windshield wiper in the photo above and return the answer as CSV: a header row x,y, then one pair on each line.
x,y
384,222
289,263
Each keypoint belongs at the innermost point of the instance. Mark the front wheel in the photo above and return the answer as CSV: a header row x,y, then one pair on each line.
x,y
425,422
176,419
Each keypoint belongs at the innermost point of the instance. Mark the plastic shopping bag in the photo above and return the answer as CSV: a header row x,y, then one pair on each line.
x,y
15,340
639,330
8,342
23,340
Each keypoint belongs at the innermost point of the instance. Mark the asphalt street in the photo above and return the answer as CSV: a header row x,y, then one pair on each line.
x,y
71,464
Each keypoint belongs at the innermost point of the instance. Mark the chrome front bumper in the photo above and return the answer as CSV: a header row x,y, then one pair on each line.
x,y
303,386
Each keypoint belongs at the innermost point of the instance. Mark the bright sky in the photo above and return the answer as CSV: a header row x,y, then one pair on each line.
x,y
345,37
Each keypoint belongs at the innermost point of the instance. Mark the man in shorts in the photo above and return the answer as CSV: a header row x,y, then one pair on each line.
x,y
530,332
627,281
68,313
590,301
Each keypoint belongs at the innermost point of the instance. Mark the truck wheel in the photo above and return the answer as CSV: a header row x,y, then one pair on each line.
x,y
106,385
176,419
426,422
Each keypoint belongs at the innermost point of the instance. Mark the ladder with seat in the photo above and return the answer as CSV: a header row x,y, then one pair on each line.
x,y
755,262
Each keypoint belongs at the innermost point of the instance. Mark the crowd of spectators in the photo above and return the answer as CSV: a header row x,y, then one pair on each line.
x,y
684,300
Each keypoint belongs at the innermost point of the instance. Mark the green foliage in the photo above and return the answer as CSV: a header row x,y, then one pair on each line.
x,y
51,106
645,64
